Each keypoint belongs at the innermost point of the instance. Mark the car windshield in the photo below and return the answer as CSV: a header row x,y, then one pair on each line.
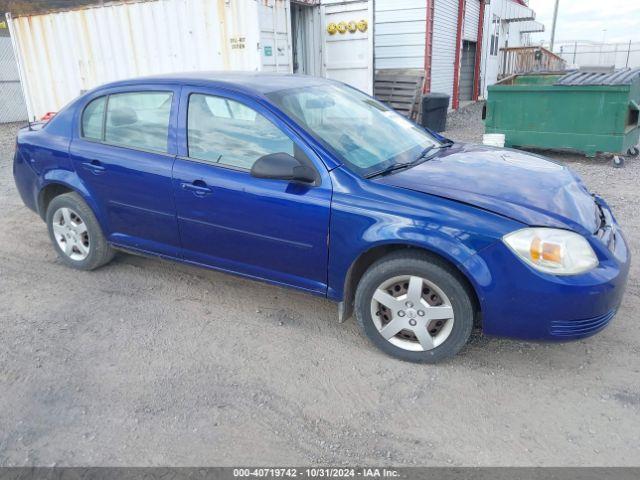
x,y
366,135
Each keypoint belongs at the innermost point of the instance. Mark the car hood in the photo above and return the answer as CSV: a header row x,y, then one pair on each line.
x,y
518,185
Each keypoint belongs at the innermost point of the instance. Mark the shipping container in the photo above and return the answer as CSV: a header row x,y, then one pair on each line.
x,y
60,54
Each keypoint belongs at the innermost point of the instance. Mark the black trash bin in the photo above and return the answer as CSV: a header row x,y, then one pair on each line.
x,y
434,111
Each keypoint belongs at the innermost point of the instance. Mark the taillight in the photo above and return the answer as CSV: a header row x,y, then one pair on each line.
x,y
48,116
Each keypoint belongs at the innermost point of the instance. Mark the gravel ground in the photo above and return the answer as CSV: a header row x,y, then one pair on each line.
x,y
147,362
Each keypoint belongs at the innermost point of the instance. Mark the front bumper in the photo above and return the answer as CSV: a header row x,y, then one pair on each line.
x,y
521,302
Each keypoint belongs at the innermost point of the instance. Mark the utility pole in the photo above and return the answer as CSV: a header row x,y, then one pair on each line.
x,y
553,25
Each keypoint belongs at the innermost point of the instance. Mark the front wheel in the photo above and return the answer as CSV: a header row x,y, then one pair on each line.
x,y
415,307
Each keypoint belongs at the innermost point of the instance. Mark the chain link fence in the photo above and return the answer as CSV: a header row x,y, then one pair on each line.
x,y
618,55
12,106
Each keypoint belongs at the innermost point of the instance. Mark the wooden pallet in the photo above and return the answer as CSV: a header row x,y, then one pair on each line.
x,y
400,89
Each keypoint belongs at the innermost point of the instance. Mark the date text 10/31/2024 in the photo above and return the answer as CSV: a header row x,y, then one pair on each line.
x,y
315,472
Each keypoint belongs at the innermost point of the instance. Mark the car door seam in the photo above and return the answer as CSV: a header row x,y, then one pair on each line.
x,y
177,137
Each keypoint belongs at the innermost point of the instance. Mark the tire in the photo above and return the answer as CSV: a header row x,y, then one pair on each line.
x,y
72,223
440,286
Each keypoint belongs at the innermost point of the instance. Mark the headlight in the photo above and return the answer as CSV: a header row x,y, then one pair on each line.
x,y
560,252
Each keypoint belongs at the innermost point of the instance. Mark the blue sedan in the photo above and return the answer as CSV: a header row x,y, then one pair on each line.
x,y
311,184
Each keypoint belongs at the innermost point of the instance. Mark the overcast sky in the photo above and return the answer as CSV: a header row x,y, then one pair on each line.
x,y
586,20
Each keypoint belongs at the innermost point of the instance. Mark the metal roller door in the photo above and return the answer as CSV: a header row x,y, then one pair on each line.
x,y
445,24
467,70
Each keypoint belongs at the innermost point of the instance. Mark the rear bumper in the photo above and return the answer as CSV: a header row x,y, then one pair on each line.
x,y
26,181
520,302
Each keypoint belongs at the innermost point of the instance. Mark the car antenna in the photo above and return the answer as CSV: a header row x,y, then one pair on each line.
x,y
29,123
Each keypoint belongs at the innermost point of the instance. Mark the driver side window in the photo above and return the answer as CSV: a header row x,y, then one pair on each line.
x,y
223,131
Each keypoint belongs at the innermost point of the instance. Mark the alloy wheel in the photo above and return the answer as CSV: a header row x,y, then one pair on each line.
x,y
412,313
71,234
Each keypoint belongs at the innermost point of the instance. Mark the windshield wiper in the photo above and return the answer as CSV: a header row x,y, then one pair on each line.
x,y
423,157
425,153
392,168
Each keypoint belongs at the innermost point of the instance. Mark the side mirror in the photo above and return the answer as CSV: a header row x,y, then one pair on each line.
x,y
282,166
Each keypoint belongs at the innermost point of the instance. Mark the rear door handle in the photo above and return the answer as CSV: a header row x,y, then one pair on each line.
x,y
94,166
198,187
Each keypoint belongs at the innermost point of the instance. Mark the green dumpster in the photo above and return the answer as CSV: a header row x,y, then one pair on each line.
x,y
588,112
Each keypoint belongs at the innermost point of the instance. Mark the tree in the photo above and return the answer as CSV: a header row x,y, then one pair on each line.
x,y
21,7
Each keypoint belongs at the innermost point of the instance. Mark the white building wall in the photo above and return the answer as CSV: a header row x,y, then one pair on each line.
x,y
515,35
444,46
489,61
510,33
400,27
400,36
348,57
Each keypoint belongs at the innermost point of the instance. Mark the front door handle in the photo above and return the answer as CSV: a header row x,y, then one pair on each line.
x,y
94,166
198,187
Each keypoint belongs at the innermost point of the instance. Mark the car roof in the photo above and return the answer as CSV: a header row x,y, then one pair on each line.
x,y
256,83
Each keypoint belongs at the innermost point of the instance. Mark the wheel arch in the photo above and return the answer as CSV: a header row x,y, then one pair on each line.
x,y
59,182
47,193
375,252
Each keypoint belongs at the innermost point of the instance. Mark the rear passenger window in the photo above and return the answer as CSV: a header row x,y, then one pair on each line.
x,y
227,132
139,120
93,119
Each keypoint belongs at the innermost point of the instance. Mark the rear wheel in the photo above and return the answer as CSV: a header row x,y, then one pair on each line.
x,y
415,307
76,234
